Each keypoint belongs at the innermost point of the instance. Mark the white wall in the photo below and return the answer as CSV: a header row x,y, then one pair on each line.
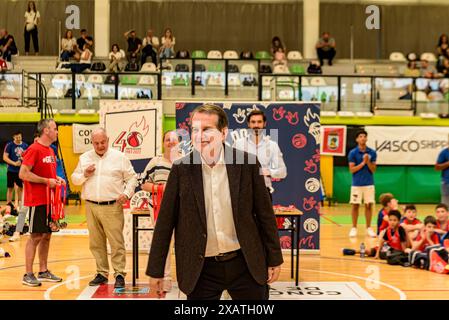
x,y
101,32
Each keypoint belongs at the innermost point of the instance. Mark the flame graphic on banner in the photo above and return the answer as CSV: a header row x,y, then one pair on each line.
x,y
310,115
136,127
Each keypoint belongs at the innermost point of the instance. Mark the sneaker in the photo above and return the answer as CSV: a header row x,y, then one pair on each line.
x,y
15,237
353,233
48,276
371,233
98,280
119,282
30,280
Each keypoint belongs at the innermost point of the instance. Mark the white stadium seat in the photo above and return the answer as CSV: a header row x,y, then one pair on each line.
x,y
55,93
397,56
318,81
95,79
146,80
214,54
248,68
294,55
148,67
429,56
230,54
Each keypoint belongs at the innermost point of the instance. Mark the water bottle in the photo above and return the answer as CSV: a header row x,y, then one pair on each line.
x,y
362,250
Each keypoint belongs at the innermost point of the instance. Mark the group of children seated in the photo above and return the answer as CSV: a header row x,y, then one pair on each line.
x,y
407,241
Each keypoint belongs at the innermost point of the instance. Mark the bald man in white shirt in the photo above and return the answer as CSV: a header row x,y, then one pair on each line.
x,y
108,181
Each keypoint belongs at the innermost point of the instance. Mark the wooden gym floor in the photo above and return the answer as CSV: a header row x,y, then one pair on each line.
x,y
70,258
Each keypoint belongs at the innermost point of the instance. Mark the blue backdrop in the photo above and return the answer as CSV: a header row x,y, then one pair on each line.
x,y
298,128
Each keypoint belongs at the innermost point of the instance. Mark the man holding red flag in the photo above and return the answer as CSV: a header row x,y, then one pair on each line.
x,y
38,172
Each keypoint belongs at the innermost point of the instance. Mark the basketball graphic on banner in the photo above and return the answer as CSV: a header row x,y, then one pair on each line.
x,y
299,141
134,139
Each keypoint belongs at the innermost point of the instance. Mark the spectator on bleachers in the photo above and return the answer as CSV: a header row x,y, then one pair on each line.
x,y
412,70
117,59
68,46
443,45
279,57
32,20
325,48
134,45
85,61
445,68
167,50
276,43
7,45
428,71
82,40
150,46
278,51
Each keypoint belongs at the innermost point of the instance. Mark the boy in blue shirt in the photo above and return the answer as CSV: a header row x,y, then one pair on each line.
x,y
12,155
362,164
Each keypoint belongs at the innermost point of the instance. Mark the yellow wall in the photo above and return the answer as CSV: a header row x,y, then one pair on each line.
x,y
70,158
327,174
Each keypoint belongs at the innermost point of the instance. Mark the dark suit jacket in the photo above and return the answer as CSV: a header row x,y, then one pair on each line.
x,y
183,209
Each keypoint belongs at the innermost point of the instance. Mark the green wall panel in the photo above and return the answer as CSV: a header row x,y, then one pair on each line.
x,y
3,181
169,123
409,184
423,185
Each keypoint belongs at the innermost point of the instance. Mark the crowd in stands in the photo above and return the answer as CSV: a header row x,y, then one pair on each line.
x,y
80,51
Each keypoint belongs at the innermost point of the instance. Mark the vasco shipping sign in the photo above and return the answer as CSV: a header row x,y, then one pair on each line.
x,y
407,145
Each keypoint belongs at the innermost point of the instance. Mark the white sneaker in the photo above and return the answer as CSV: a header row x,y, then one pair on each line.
x,y
353,233
15,237
371,233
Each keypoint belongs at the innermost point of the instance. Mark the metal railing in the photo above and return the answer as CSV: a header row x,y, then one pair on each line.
x,y
337,93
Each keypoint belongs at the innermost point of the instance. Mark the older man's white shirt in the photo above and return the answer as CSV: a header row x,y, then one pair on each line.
x,y
114,175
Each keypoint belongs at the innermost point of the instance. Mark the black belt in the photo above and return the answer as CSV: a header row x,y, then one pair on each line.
x,y
222,257
103,203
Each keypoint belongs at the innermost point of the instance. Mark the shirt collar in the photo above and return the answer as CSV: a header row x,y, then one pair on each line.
x,y
251,138
101,157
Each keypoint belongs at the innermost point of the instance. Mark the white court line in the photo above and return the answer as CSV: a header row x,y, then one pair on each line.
x,y
402,295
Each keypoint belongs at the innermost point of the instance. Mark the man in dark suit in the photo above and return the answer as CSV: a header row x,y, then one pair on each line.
x,y
225,229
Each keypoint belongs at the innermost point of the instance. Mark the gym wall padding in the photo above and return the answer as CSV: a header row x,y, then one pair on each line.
x,y
327,174
3,188
169,123
409,184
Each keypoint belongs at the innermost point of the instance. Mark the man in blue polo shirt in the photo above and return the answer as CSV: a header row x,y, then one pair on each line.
x,y
12,155
443,166
362,164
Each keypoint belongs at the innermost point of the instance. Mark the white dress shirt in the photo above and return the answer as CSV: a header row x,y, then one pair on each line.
x,y
221,234
114,175
268,154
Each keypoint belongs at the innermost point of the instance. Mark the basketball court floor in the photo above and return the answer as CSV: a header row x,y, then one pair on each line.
x,y
329,275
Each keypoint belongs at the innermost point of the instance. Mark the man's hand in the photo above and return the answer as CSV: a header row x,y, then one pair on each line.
x,y
273,274
61,181
17,163
366,158
157,287
122,199
52,183
89,172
